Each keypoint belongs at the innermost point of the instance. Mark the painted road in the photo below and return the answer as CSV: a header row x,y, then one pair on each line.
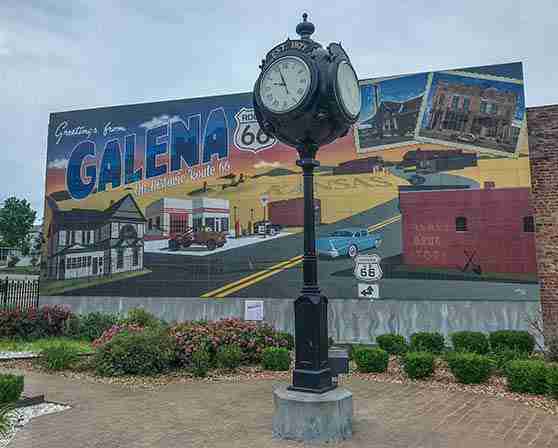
x,y
273,268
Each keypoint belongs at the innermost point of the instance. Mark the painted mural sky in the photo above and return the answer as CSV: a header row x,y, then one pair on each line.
x,y
404,88
207,118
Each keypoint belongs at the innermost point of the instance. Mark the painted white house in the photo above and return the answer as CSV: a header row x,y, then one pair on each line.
x,y
84,243
168,216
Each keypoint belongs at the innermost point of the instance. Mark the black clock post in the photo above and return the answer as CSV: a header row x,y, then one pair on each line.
x,y
308,96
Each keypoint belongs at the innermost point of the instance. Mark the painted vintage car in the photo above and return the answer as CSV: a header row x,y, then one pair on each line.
x,y
347,242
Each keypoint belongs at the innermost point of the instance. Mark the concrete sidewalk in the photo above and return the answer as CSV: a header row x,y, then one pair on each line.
x,y
238,414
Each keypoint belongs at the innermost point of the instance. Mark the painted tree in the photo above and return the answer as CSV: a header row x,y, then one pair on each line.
x,y
16,223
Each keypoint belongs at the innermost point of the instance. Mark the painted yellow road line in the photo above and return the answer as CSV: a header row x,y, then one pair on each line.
x,y
387,222
250,277
276,269
259,279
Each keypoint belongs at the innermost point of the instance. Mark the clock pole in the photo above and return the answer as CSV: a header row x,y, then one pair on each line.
x,y
312,372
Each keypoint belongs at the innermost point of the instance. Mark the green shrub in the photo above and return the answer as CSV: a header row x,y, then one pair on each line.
x,y
135,353
470,341
142,318
93,325
228,357
470,368
552,380
5,410
201,361
418,365
427,342
503,357
552,349
394,344
276,359
59,356
11,387
370,360
517,340
527,376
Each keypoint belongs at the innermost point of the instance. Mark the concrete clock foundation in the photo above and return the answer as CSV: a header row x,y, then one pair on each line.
x,y
309,417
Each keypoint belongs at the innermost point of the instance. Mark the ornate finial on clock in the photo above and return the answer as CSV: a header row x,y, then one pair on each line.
x,y
305,29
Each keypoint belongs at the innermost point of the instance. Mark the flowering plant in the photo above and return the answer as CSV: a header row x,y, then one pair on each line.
x,y
113,331
250,337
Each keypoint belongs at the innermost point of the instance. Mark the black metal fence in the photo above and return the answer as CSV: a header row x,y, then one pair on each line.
x,y
20,294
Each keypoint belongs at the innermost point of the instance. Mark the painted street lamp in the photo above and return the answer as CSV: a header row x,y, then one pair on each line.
x,y
308,96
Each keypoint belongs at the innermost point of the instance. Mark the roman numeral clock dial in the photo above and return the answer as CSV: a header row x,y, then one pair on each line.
x,y
285,84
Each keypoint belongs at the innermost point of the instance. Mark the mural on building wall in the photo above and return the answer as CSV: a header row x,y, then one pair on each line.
x,y
188,198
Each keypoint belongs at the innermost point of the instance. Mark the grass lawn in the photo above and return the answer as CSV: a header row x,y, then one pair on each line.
x,y
8,345
26,270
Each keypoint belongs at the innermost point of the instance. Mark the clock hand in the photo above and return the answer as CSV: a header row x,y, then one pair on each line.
x,y
284,82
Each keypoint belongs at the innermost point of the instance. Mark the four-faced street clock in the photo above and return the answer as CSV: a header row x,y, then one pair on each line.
x,y
306,94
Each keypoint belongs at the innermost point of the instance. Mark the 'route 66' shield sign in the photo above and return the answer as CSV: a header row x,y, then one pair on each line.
x,y
248,136
367,268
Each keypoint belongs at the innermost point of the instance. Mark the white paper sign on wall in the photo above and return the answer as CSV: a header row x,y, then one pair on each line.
x,y
253,310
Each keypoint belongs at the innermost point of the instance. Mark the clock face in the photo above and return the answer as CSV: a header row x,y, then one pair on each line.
x,y
348,89
285,84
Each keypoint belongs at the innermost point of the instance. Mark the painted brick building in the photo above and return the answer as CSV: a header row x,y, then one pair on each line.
x,y
357,166
434,160
290,212
490,228
484,112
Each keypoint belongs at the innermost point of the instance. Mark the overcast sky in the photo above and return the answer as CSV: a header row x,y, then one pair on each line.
x,y
58,55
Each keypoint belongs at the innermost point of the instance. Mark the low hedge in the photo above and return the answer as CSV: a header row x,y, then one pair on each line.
x,y
394,344
527,376
371,360
418,365
146,352
276,359
11,388
470,368
470,341
520,341
552,380
503,357
427,342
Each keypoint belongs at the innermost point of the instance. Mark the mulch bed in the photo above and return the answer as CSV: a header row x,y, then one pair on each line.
x,y
442,379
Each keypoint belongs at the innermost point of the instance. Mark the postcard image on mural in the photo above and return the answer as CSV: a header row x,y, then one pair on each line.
x,y
189,198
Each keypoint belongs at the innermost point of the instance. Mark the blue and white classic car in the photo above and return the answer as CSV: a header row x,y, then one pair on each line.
x,y
347,242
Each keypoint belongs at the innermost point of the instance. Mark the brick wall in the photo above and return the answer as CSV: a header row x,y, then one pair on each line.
x,y
542,123
494,238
